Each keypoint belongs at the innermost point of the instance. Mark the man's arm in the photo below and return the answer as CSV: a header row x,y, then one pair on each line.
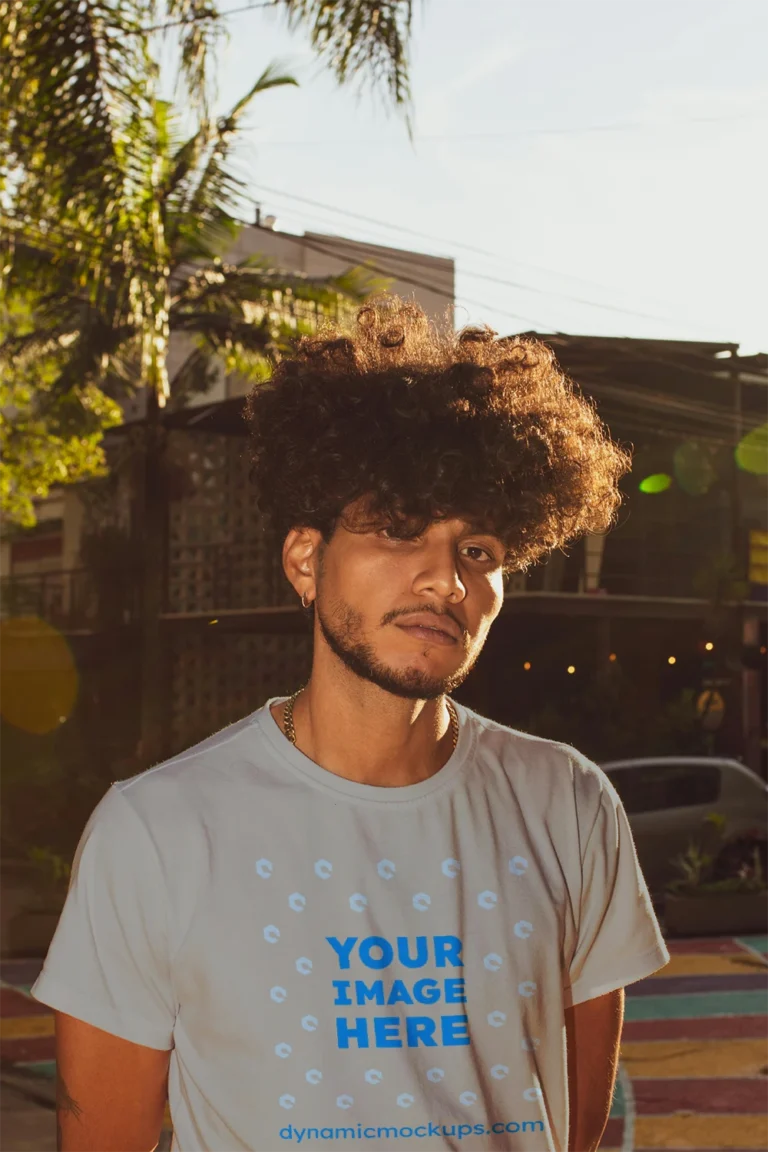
x,y
593,1035
110,1093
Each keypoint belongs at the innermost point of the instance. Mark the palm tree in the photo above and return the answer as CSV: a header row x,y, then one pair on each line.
x,y
105,305
110,217
106,302
117,225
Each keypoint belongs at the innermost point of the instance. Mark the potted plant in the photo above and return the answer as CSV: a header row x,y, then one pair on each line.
x,y
31,930
718,892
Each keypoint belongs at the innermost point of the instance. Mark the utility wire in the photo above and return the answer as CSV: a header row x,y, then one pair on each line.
x,y
469,248
405,279
634,354
618,126
396,274
82,236
393,227
691,354
714,414
204,16
343,242
517,285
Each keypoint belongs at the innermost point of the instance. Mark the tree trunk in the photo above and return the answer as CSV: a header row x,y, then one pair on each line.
x,y
151,540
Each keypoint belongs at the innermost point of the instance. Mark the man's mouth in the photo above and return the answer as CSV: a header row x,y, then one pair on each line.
x,y
430,632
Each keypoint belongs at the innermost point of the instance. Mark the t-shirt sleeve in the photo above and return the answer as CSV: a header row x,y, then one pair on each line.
x,y
108,963
619,939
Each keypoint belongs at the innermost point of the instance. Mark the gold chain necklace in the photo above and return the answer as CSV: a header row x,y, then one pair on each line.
x,y
290,730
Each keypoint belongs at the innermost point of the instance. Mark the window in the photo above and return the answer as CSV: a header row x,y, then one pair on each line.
x,y
37,548
658,787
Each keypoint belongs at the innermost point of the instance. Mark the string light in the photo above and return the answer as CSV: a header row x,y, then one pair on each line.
x,y
571,669
672,660
709,645
527,665
612,657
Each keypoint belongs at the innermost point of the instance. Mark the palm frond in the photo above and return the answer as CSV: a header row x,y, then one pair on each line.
x,y
200,31
75,75
249,288
360,39
113,226
271,77
196,375
216,188
250,312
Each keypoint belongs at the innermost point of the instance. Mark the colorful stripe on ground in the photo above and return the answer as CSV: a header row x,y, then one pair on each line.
x,y
26,1026
694,1053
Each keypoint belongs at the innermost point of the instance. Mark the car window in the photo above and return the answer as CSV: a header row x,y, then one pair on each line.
x,y
744,784
657,787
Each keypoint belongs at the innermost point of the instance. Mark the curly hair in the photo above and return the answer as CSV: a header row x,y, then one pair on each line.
x,y
420,423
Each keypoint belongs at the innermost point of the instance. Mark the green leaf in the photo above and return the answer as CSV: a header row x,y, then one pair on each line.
x,y
360,39
116,222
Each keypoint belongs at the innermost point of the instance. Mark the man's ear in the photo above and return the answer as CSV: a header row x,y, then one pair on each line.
x,y
302,551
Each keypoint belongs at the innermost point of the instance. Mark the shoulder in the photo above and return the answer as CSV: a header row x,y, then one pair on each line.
x,y
180,790
154,829
548,769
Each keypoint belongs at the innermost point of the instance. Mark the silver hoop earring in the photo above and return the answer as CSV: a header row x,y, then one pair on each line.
x,y
308,602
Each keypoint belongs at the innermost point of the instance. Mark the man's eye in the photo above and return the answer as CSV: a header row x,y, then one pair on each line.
x,y
484,553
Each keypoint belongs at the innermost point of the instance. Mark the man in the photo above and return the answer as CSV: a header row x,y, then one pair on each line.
x,y
365,916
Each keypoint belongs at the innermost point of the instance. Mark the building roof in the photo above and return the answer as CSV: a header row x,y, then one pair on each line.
x,y
655,387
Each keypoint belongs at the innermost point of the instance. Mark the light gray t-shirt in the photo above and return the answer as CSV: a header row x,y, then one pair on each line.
x,y
337,965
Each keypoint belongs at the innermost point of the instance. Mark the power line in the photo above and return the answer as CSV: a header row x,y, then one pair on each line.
x,y
645,398
538,291
82,235
45,242
204,16
405,279
625,126
477,251
714,414
392,227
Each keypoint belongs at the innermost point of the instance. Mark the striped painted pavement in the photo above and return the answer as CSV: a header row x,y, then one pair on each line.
x,y
694,1054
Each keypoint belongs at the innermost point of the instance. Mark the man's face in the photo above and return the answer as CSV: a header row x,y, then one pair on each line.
x,y
410,615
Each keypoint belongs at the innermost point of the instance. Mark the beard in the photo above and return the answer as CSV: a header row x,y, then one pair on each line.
x,y
342,631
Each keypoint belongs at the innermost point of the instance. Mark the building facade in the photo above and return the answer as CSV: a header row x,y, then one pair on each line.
x,y
615,627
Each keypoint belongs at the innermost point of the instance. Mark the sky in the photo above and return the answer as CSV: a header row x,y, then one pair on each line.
x,y
605,160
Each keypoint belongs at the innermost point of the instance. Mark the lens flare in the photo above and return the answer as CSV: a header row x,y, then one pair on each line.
x,y
693,467
659,482
752,451
38,677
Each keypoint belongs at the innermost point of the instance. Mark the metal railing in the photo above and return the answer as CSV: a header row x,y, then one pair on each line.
x,y
67,599
213,577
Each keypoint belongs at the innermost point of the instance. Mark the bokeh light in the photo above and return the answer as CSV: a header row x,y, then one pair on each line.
x,y
693,468
752,451
672,660
659,482
38,676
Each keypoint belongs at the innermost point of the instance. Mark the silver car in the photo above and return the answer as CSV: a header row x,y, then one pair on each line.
x,y
666,798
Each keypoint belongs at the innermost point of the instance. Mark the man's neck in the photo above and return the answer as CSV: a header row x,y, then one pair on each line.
x,y
362,733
